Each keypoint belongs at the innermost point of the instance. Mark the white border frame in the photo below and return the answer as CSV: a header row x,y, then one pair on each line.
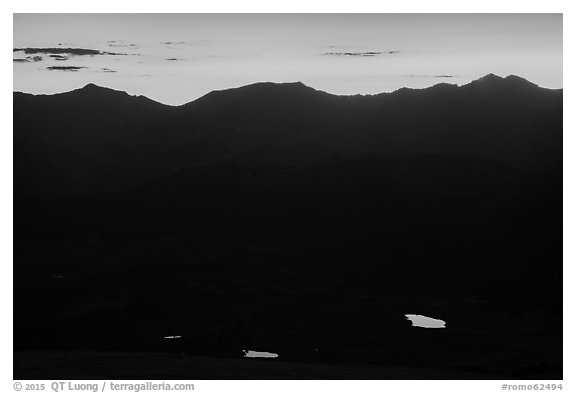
x,y
297,6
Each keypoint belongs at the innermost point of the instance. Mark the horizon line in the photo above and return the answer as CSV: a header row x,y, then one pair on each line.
x,y
489,75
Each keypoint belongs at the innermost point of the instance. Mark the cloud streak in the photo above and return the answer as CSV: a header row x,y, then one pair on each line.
x,y
121,44
66,51
362,54
59,57
64,68
431,76
28,59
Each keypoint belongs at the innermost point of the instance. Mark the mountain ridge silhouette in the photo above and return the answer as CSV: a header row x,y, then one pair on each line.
x,y
280,218
490,78
97,139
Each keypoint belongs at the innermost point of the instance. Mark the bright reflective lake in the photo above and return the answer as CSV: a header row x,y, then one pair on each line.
x,y
257,354
425,322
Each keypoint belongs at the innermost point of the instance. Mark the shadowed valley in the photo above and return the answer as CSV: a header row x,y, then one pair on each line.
x,y
279,218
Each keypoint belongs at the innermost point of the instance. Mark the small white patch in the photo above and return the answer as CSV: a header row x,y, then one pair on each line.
x,y
172,336
425,322
256,354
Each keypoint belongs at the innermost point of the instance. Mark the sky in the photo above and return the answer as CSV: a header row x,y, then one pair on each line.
x,y
177,58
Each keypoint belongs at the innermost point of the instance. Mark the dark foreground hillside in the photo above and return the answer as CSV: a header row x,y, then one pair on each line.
x,y
168,366
306,225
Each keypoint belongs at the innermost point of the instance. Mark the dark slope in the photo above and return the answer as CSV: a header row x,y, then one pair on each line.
x,y
507,119
95,139
278,218
331,256
90,139
443,119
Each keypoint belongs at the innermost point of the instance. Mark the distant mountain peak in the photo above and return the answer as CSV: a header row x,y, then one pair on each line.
x,y
519,80
511,81
92,90
91,87
442,86
262,91
489,78
277,86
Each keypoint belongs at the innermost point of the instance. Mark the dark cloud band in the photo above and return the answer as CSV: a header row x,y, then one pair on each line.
x,y
28,59
362,54
64,68
66,51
